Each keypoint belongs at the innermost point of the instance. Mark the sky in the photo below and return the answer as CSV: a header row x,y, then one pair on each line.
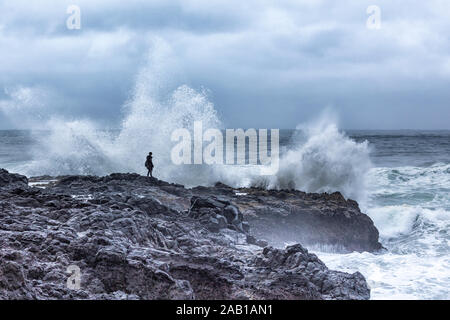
x,y
264,64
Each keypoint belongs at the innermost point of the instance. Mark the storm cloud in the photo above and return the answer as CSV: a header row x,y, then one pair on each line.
x,y
267,64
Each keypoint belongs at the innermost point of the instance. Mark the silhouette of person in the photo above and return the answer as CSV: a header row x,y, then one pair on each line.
x,y
149,164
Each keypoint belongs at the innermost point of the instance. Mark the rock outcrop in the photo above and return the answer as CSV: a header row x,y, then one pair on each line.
x,y
134,237
326,221
10,180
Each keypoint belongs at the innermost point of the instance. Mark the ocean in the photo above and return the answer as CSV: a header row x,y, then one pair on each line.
x,y
408,198
401,179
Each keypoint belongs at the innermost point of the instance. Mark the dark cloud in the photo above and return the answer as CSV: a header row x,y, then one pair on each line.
x,y
267,64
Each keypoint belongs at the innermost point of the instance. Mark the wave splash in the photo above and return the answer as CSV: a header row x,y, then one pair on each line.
x,y
323,159
81,147
319,157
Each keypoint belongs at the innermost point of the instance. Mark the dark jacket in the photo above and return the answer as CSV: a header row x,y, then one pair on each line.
x,y
149,162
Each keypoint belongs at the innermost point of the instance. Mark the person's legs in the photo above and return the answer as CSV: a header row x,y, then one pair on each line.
x,y
148,172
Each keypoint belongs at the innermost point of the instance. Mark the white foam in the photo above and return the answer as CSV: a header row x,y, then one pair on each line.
x,y
395,276
393,221
323,159
414,228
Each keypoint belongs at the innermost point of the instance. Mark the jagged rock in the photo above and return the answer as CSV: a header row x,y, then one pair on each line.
x,y
327,221
261,243
12,180
222,221
311,271
217,214
232,214
245,227
134,237
211,202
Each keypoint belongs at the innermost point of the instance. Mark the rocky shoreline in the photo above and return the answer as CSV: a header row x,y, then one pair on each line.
x,y
134,237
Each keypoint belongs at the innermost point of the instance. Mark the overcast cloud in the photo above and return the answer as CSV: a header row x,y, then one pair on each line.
x,y
267,64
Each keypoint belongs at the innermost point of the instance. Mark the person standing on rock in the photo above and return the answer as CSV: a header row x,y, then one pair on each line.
x,y
149,164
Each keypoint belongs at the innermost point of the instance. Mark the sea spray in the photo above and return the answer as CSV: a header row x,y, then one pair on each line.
x,y
319,158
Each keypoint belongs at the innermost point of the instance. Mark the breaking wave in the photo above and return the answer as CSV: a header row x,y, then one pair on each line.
x,y
411,208
412,198
318,158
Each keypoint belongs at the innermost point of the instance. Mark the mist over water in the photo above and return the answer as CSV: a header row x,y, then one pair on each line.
x,y
401,179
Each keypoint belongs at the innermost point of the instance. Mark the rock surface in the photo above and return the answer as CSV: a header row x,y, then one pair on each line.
x,y
10,180
134,237
326,221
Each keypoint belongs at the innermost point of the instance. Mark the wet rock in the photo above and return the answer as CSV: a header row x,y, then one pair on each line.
x,y
245,227
135,237
218,214
211,202
261,243
325,221
222,221
12,180
232,214
314,274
